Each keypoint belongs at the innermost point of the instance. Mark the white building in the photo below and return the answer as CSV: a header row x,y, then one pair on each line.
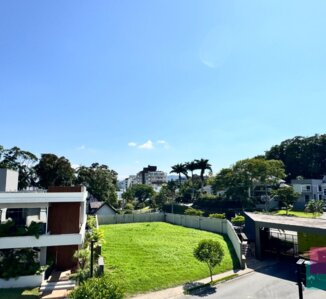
x,y
60,214
309,189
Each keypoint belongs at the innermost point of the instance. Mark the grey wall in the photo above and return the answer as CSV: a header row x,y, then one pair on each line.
x,y
8,180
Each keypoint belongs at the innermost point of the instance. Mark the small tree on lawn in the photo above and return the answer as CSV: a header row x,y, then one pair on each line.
x,y
315,206
286,196
209,252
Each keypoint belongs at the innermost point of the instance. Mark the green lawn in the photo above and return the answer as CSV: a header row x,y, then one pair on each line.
x,y
157,255
19,293
297,214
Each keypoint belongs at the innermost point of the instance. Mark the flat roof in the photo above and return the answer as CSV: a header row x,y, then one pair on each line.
x,y
300,224
41,197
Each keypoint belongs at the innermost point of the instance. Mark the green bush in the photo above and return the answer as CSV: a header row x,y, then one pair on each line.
x,y
238,220
91,222
94,288
219,216
193,212
129,206
177,209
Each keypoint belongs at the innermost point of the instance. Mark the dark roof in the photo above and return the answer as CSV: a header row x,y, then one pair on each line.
x,y
96,205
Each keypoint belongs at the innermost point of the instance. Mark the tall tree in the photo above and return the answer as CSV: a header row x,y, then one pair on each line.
x,y
192,166
302,156
54,171
203,165
180,169
21,161
100,181
287,197
239,181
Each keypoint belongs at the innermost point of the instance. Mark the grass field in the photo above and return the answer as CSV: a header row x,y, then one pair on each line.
x,y
298,214
19,293
157,255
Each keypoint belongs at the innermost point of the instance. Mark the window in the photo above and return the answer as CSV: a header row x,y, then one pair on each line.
x,y
319,188
306,197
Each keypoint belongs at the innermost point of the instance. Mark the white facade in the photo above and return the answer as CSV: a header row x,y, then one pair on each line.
x,y
8,180
309,189
35,206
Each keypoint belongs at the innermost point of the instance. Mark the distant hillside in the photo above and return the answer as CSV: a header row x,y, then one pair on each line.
x,y
302,156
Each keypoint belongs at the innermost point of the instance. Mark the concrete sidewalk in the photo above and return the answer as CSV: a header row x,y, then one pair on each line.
x,y
176,292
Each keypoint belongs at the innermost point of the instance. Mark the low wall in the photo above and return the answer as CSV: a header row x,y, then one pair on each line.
x,y
130,218
215,225
30,281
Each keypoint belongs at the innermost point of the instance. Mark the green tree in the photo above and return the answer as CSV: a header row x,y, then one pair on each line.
x,y
100,181
315,206
180,169
286,196
302,156
239,181
54,171
192,166
21,161
203,165
209,252
94,288
141,192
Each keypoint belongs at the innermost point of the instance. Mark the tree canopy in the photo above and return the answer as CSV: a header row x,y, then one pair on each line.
x,y
54,171
209,252
21,161
239,181
302,156
100,181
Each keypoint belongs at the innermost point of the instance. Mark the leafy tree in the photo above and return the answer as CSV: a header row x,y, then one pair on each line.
x,y
54,171
203,165
166,194
141,192
21,161
192,166
94,288
180,169
239,181
315,206
286,196
100,181
302,156
209,252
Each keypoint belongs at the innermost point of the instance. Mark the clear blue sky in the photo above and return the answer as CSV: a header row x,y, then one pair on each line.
x,y
131,83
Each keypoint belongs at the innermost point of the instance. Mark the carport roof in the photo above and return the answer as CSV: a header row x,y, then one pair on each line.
x,y
289,223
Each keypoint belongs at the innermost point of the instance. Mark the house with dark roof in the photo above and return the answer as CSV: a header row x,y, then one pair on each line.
x,y
101,208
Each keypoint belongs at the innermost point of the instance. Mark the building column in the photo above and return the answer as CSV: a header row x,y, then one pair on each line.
x,y
257,242
42,256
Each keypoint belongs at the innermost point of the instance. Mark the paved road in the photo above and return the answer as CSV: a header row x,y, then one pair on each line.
x,y
274,282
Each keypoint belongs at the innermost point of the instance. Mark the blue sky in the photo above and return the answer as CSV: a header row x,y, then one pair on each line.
x,y
131,83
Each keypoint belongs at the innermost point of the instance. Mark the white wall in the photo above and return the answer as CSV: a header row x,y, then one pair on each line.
x,y
30,281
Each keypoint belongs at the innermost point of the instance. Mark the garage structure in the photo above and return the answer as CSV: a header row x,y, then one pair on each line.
x,y
284,234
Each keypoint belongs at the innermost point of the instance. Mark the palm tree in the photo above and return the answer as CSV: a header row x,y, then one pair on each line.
x,y
180,169
191,166
203,165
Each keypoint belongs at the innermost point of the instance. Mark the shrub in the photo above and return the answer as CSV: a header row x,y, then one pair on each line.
x,y
219,216
193,212
94,288
238,220
91,222
129,206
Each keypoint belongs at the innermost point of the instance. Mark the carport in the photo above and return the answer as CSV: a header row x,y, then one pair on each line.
x,y
313,227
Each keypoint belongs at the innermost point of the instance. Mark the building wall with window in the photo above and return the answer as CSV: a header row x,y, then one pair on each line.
x,y
309,189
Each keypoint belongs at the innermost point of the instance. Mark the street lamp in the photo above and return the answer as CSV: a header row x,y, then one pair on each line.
x,y
92,257
300,270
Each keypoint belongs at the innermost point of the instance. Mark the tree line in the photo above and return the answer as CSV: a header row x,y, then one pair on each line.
x,y
51,170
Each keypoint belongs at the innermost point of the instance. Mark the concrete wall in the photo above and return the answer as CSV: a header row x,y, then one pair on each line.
x,y
8,180
221,226
130,218
30,281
